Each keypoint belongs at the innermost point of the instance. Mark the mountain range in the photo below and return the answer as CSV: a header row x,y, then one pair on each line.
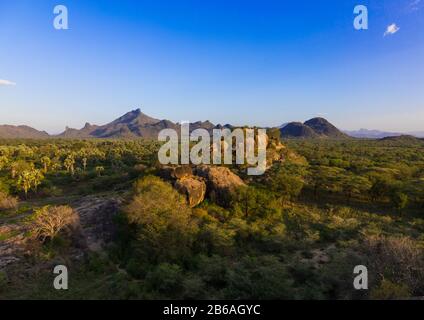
x,y
133,124
136,124
377,134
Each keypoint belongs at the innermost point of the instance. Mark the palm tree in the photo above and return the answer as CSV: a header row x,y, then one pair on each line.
x,y
84,163
46,163
25,181
37,178
99,170
69,164
13,169
3,162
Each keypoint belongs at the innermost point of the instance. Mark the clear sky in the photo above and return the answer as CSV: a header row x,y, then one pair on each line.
x,y
242,62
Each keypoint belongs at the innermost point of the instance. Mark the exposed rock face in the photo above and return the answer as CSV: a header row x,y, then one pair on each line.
x,y
13,246
172,172
96,218
197,182
221,182
182,172
193,187
96,229
274,153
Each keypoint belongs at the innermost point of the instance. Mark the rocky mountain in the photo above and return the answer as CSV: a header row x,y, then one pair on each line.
x,y
21,132
297,130
313,128
324,128
132,125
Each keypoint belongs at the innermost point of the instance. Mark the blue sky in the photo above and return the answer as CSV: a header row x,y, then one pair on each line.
x,y
241,62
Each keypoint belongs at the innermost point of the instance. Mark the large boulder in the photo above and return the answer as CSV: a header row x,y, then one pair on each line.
x,y
194,188
221,182
177,172
182,172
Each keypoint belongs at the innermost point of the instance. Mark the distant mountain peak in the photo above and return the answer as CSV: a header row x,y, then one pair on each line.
x,y
21,132
314,128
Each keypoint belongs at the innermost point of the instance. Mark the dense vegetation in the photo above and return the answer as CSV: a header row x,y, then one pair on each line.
x,y
295,233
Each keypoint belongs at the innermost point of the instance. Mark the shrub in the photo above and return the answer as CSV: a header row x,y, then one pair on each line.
x,y
259,278
3,281
7,202
50,221
166,279
398,259
388,290
164,224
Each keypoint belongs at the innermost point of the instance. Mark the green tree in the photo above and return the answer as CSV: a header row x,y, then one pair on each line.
x,y
25,181
164,226
69,164
380,189
399,200
46,161
99,170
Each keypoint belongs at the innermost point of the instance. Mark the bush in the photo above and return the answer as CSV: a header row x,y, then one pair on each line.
x,y
166,279
388,290
50,221
3,281
164,224
7,202
399,260
259,278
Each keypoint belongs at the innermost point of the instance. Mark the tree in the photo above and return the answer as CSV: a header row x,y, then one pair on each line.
x,y
3,162
46,163
19,166
99,170
25,181
352,184
164,226
7,202
399,200
30,179
37,178
379,189
50,221
254,203
286,185
13,169
84,163
69,164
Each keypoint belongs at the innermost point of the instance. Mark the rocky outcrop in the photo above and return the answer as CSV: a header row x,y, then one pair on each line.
x,y
96,229
221,182
97,220
182,172
193,187
200,181
12,244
